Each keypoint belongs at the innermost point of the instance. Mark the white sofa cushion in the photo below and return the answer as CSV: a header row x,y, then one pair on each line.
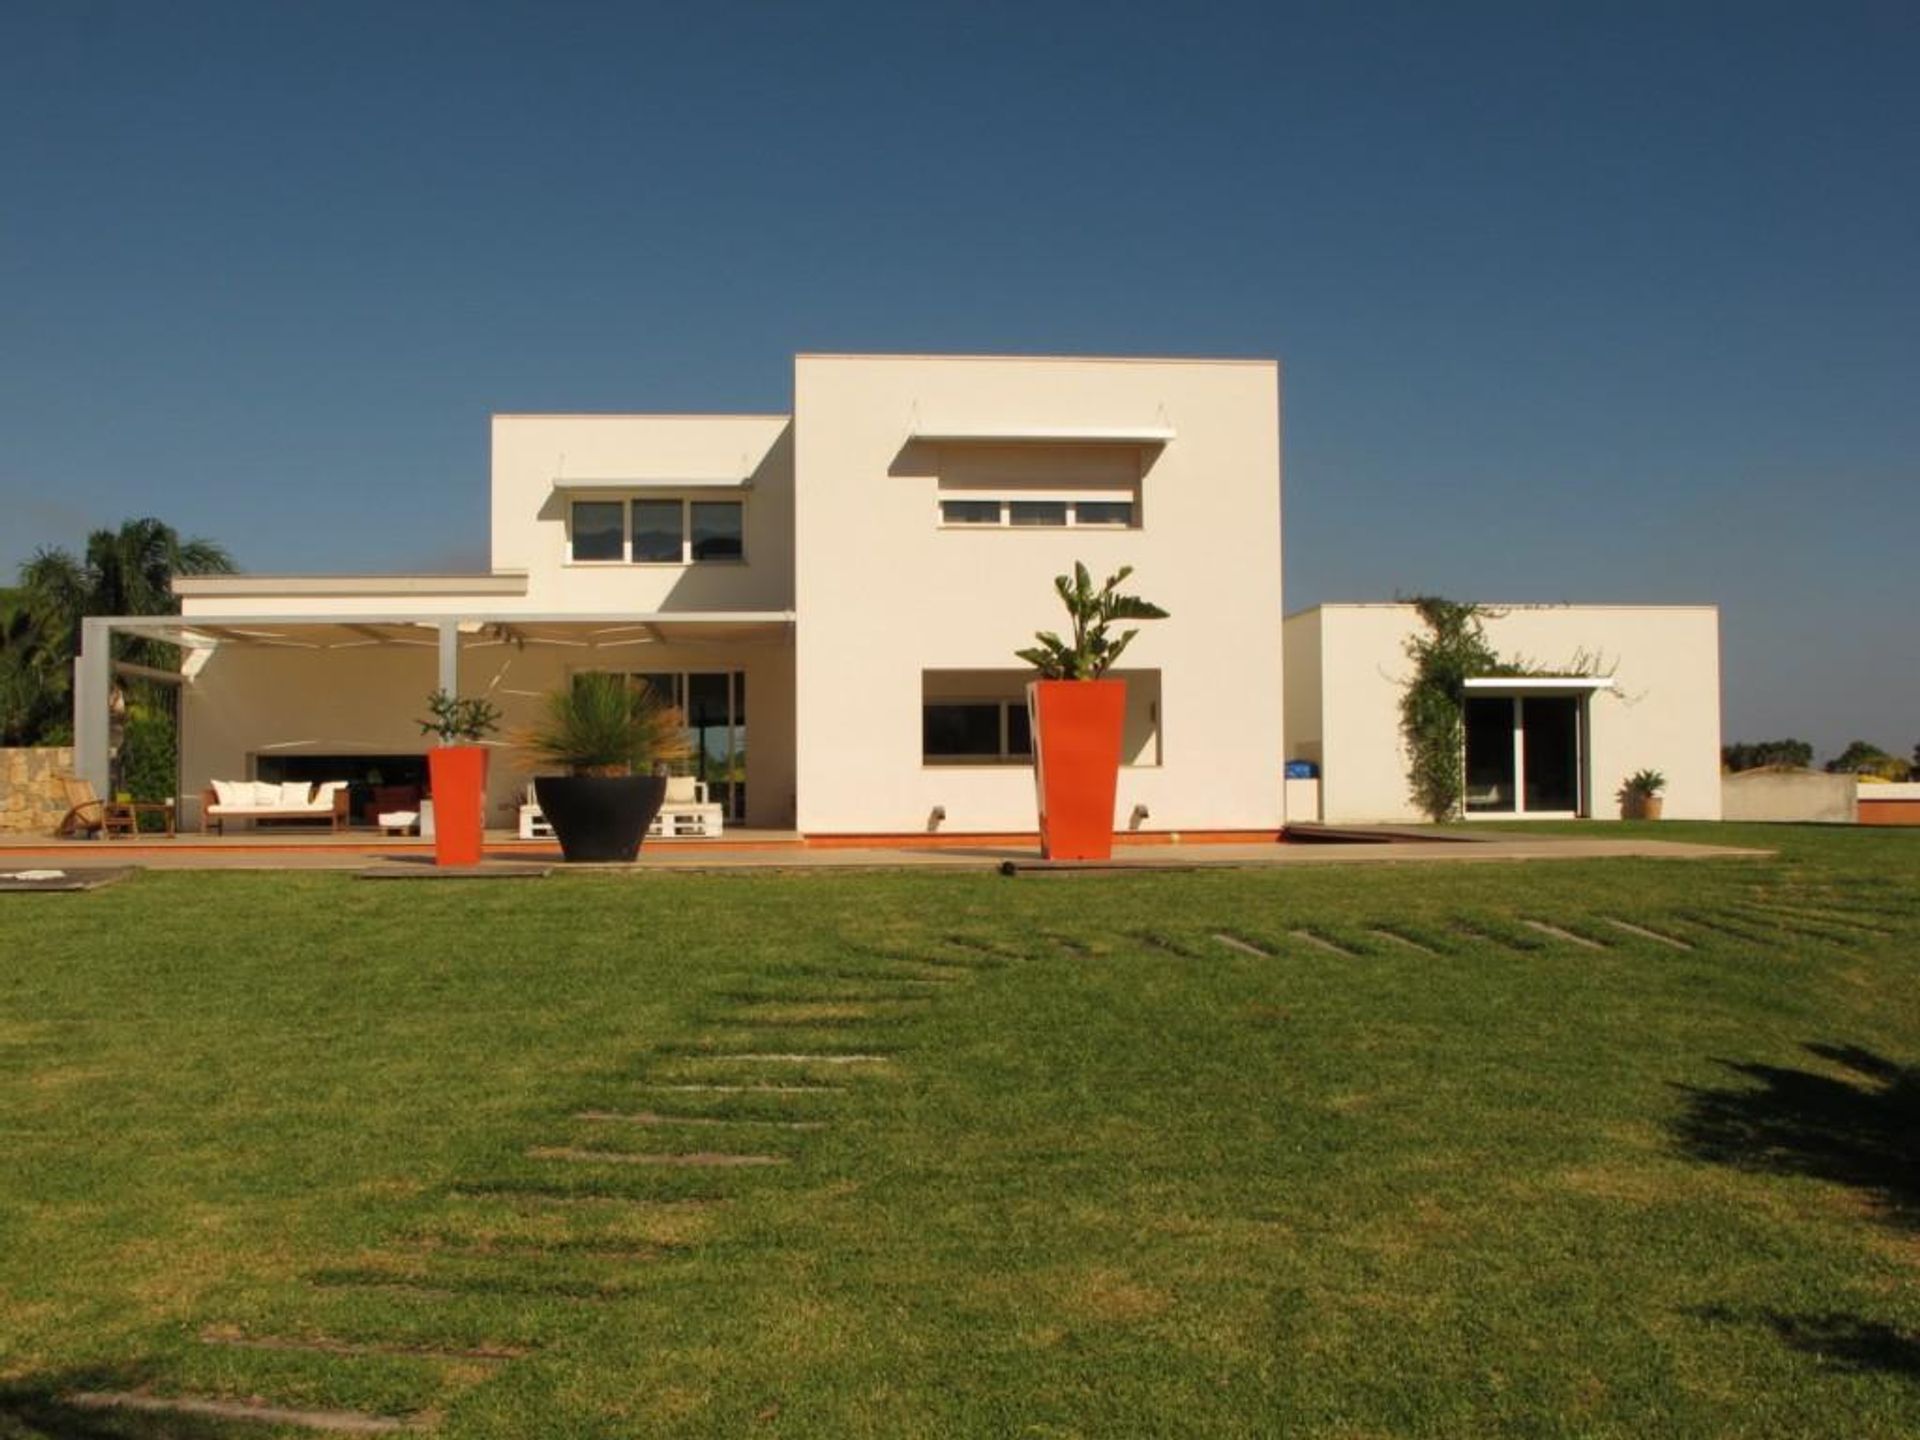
x,y
681,790
324,792
232,792
295,795
266,796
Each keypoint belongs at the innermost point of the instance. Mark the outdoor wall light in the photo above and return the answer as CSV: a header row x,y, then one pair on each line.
x,y
1140,812
935,816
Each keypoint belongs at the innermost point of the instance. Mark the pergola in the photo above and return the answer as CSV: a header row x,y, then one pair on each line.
x,y
449,635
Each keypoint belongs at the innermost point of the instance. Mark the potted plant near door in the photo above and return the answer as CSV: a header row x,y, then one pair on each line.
x,y
1078,716
611,736
1640,796
457,771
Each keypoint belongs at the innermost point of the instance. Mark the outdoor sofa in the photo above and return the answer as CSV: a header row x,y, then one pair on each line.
x,y
258,800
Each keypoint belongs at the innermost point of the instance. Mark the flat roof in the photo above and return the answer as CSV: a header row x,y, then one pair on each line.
x,y
496,582
1004,434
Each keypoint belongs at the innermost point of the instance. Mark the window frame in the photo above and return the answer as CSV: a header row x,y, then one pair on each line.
x,y
686,501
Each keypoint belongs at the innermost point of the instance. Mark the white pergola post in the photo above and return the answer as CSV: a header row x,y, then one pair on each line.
x,y
450,656
92,693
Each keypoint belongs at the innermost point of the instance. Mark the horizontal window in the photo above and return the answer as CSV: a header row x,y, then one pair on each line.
x,y
677,531
1050,514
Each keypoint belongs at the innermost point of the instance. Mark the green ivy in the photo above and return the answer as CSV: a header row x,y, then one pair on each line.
x,y
1433,708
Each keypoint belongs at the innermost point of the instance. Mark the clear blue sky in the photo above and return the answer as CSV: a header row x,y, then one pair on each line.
x,y
1576,302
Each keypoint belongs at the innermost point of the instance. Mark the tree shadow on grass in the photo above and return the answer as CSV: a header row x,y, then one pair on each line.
x,y
1843,1342
1861,1129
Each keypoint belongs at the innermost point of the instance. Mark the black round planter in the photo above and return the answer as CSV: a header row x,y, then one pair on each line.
x,y
600,817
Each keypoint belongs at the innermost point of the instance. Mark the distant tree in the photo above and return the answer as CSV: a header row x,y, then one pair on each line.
x,y
1861,758
1761,754
127,571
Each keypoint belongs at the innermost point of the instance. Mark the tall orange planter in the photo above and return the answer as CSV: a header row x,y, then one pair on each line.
x,y
459,776
1077,728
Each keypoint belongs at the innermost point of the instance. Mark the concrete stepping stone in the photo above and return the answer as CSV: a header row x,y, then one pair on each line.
x,y
691,1159
1161,942
343,1422
327,1345
653,1118
781,1057
1234,942
746,1089
1406,942
1321,942
1645,934
1554,932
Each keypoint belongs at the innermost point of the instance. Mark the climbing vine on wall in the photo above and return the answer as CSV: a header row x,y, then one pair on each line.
x,y
1433,708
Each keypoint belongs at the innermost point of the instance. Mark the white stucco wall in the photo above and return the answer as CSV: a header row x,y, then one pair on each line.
x,y
533,455
1664,713
884,592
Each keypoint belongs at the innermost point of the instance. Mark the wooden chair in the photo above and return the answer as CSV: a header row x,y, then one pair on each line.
x,y
88,813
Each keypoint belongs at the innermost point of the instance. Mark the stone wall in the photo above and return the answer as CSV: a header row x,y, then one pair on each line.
x,y
31,800
1806,796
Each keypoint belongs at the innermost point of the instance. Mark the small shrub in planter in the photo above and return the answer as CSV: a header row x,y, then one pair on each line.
x,y
1639,797
611,736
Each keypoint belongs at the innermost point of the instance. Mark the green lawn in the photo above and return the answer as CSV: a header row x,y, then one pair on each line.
x,y
275,1137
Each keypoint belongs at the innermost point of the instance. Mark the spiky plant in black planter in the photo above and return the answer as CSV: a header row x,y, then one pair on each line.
x,y
611,735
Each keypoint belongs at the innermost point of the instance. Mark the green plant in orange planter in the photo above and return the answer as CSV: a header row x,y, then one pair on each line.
x,y
1078,716
457,772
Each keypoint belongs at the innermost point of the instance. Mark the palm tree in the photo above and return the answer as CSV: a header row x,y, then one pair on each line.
x,y
128,571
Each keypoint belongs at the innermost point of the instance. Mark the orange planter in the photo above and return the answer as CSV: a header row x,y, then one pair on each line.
x,y
1077,726
459,776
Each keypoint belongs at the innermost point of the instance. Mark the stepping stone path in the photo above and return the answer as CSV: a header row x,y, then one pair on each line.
x,y
445,1266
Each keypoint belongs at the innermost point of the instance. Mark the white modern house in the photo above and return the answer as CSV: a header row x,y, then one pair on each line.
x,y
835,596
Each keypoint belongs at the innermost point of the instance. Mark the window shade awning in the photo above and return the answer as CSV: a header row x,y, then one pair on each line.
x,y
1519,684
615,485
1006,434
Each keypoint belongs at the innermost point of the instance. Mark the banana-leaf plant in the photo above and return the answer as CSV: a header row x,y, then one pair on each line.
x,y
1093,649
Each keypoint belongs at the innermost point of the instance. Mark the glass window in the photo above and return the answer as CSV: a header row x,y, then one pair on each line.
x,y
960,729
1103,512
599,529
656,532
970,512
717,530
1019,730
1037,512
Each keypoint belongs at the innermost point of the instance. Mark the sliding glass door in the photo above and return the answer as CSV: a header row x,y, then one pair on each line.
x,y
715,704
1525,755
